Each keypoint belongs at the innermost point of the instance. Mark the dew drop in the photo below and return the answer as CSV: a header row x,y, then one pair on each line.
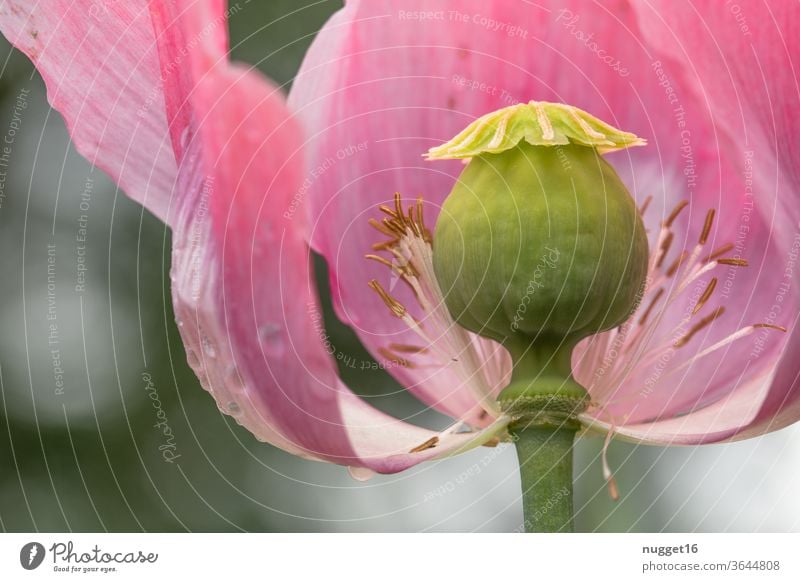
x,y
270,336
234,409
191,358
208,347
234,380
267,228
361,473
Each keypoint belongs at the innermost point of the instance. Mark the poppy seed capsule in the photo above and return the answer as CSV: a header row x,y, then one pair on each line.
x,y
539,244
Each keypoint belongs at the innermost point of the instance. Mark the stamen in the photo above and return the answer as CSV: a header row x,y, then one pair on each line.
x,y
646,314
393,304
770,326
613,490
645,205
705,296
381,260
675,213
727,247
394,358
379,226
707,226
428,444
665,248
699,326
677,263
384,246
610,359
479,364
733,262
408,349
744,332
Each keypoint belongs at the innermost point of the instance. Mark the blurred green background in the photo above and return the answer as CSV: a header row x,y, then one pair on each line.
x,y
86,457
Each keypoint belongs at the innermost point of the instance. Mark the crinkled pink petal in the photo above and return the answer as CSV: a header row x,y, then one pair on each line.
x,y
244,295
99,62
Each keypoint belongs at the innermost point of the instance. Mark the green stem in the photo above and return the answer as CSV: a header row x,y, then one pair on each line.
x,y
545,462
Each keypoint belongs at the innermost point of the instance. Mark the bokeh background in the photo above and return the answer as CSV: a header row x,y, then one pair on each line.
x,y
87,334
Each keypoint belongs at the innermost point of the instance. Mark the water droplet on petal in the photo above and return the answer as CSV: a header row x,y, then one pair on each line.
x,y
233,378
191,358
267,330
234,409
267,228
270,335
208,347
361,473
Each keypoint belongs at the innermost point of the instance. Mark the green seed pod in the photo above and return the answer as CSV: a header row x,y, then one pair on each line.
x,y
539,244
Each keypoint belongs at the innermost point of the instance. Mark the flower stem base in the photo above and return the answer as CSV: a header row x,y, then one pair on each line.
x,y
545,461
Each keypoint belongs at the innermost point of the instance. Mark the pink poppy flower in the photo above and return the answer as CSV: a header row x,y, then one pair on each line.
x,y
250,183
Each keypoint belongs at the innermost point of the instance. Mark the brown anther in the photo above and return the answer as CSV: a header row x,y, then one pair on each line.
x,y
393,304
428,444
673,268
645,205
650,307
413,221
733,262
492,442
770,326
420,215
665,248
727,247
381,260
398,223
707,226
398,205
387,211
705,296
408,349
393,358
404,270
675,213
699,326
395,227
613,490
385,245
380,227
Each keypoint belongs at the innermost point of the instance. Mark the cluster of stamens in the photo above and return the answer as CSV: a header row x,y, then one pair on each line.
x,y
620,353
479,363
642,339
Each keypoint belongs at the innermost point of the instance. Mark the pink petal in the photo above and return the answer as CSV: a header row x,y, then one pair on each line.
x,y
380,86
100,66
739,64
717,422
748,78
244,295
383,79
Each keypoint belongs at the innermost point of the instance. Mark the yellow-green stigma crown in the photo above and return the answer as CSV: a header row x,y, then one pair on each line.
x,y
538,123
